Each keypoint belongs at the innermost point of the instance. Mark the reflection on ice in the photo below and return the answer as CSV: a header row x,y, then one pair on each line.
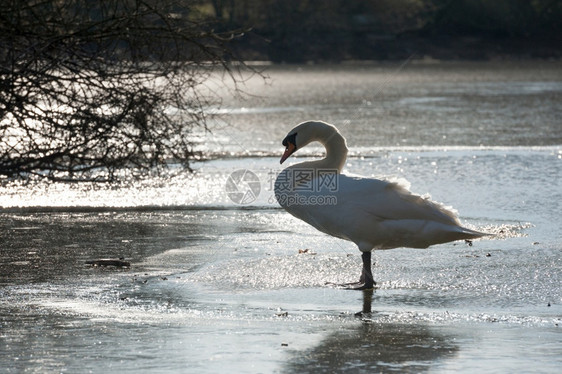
x,y
375,347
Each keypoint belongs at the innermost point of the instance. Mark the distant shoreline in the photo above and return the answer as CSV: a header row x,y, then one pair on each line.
x,y
402,46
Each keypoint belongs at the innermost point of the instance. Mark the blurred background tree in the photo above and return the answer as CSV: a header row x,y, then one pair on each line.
x,y
335,30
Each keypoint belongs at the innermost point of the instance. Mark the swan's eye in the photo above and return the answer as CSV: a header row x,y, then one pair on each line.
x,y
290,139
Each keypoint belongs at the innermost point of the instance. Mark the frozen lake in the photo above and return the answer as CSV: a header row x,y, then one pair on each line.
x,y
215,285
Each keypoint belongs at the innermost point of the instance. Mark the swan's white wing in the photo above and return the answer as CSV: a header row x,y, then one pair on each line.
x,y
388,200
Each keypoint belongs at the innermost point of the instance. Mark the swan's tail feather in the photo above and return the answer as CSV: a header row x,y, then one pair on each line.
x,y
472,234
460,233
452,234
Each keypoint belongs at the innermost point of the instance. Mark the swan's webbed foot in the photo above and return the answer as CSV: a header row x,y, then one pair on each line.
x,y
357,286
342,285
360,286
366,281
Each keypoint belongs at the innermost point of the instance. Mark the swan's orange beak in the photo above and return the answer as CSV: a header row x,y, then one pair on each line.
x,y
288,151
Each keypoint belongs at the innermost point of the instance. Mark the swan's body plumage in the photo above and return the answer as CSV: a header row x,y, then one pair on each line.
x,y
375,214
372,213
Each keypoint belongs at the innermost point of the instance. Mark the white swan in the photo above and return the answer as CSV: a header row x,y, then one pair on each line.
x,y
372,213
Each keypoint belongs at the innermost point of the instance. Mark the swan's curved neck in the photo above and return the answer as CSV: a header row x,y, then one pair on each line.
x,y
336,151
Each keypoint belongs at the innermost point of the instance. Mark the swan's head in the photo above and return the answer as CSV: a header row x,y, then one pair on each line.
x,y
305,133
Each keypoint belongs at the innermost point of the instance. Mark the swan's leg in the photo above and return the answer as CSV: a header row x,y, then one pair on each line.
x,y
366,281
367,304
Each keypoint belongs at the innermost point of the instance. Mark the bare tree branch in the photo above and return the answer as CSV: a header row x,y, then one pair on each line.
x,y
89,87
